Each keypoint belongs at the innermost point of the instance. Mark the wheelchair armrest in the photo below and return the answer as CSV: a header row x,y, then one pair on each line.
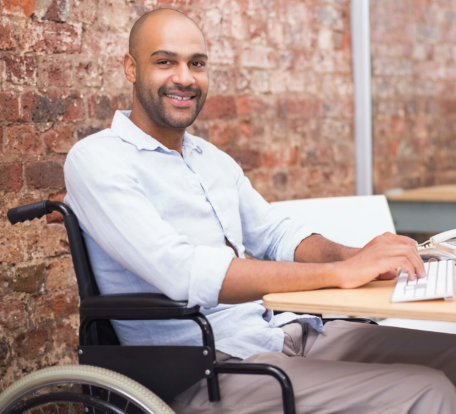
x,y
139,306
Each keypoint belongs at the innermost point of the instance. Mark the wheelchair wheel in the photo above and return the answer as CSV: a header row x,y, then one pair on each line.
x,y
79,389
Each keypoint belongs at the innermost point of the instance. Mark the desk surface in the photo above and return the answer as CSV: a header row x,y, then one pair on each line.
x,y
371,300
437,193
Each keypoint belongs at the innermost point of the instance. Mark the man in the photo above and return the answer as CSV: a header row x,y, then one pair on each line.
x,y
165,211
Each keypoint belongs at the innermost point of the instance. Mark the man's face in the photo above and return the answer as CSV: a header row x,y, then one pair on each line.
x,y
171,73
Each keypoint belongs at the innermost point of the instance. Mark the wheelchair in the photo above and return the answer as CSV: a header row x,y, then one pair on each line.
x,y
114,378
79,389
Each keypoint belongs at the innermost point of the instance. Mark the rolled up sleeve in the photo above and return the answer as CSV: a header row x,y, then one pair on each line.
x,y
212,261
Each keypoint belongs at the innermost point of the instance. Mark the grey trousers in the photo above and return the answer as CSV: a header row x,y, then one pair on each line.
x,y
352,368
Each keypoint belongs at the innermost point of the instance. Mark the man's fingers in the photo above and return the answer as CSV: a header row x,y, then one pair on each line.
x,y
402,252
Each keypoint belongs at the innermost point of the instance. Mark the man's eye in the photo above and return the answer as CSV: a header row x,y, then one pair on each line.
x,y
199,64
163,62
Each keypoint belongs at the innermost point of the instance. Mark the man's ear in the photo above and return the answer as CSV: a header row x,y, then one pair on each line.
x,y
129,64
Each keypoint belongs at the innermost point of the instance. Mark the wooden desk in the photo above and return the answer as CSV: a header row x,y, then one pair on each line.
x,y
424,210
372,300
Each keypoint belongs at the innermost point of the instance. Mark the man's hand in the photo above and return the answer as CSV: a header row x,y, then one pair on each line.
x,y
381,258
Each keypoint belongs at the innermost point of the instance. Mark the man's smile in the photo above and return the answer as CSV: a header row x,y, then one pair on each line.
x,y
182,99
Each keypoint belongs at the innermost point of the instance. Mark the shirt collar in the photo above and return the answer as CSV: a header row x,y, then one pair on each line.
x,y
134,135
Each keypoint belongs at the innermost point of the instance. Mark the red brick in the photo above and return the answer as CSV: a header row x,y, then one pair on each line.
x,y
106,42
27,7
261,181
200,129
448,106
7,40
29,279
55,71
20,70
279,156
256,28
258,56
220,133
9,104
74,109
66,303
55,216
222,53
247,158
60,138
270,158
51,37
293,107
250,106
100,107
348,109
397,126
66,335
13,314
56,305
84,11
280,180
89,73
89,130
57,11
5,355
53,106
11,176
44,174
122,101
42,241
218,107
24,139
221,81
245,131
113,78
11,252
61,274
30,345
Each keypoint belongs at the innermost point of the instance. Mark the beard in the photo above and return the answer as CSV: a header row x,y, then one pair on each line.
x,y
155,107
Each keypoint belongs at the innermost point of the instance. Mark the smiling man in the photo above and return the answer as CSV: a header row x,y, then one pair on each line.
x,y
165,211
170,77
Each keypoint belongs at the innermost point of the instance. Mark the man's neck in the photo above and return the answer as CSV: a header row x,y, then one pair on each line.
x,y
171,138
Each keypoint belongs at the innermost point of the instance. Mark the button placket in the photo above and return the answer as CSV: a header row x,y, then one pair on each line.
x,y
224,226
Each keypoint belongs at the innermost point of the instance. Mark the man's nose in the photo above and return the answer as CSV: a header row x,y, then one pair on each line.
x,y
183,75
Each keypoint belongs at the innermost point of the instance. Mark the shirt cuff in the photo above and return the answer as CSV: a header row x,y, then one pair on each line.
x,y
289,243
208,271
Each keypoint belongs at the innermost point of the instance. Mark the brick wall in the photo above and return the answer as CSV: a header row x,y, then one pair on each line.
x,y
414,92
281,103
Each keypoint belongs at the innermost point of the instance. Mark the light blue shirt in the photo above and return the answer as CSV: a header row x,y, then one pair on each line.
x,y
158,221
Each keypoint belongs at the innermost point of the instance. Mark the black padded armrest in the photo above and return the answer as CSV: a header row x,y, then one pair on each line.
x,y
137,306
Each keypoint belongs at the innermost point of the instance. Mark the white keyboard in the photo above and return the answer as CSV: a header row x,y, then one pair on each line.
x,y
438,284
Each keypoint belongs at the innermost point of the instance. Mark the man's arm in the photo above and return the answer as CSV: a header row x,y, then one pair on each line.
x,y
318,249
248,280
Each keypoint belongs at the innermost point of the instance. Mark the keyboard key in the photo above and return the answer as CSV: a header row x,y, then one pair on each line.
x,y
438,283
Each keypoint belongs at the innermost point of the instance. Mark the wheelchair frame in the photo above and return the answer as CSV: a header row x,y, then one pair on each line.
x,y
184,365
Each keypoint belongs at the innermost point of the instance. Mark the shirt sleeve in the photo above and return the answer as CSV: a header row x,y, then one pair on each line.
x,y
112,207
268,233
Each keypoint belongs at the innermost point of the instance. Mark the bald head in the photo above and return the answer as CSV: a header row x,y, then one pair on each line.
x,y
154,17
